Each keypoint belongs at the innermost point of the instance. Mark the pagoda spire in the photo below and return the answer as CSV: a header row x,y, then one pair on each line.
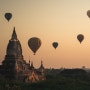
x,y
41,63
29,60
32,64
32,67
14,35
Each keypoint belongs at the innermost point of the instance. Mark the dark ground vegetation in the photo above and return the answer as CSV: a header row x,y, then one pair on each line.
x,y
66,80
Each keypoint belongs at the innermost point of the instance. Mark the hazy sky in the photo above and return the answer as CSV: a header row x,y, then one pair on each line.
x,y
50,20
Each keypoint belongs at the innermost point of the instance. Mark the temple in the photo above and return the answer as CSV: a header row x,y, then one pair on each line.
x,y
14,67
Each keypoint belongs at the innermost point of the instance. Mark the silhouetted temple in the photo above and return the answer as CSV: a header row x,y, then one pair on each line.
x,y
14,67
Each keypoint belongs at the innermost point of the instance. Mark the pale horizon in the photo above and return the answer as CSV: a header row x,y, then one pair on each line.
x,y
51,21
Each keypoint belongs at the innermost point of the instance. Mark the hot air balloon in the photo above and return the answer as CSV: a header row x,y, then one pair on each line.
x,y
34,44
88,13
8,16
80,37
55,44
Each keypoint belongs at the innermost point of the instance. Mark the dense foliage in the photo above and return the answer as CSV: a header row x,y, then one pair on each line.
x,y
53,82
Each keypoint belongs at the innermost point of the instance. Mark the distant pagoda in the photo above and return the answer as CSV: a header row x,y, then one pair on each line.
x,y
14,67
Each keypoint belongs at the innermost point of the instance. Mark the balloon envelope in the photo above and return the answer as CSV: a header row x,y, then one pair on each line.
x,y
34,44
55,44
80,37
88,13
8,16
